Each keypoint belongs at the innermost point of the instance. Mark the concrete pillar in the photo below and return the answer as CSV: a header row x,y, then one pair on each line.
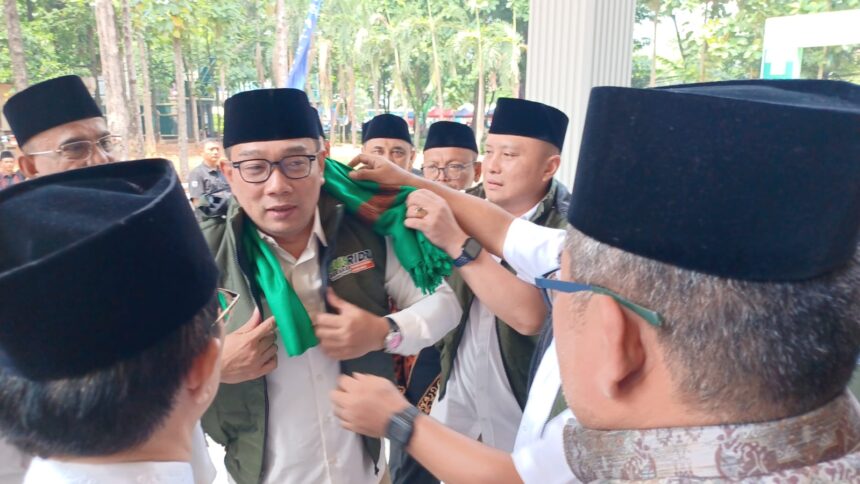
x,y
575,45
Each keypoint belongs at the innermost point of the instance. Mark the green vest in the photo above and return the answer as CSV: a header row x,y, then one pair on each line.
x,y
516,349
238,417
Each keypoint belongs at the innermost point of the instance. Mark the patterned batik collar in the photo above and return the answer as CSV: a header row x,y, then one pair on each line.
x,y
725,452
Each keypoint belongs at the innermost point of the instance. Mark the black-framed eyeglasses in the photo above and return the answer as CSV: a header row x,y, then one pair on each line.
x,y
258,170
82,150
227,300
552,285
454,170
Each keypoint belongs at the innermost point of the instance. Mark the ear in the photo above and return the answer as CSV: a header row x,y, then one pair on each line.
x,y
623,354
477,171
27,165
551,167
327,146
202,373
321,160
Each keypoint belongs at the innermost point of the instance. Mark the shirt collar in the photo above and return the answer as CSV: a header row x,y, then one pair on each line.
x,y
48,470
730,452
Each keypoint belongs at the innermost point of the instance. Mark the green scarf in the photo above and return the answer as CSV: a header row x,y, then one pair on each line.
x,y
384,208
291,317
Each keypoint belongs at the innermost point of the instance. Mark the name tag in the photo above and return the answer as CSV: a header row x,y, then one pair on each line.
x,y
351,264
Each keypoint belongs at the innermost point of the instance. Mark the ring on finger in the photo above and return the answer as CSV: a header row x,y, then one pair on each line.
x,y
420,212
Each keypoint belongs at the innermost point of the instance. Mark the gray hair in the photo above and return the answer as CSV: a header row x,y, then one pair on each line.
x,y
739,348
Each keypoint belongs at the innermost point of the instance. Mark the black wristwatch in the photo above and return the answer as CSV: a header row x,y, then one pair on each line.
x,y
401,425
471,250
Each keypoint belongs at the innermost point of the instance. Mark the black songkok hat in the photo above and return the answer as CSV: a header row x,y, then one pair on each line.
x,y
520,117
267,115
752,180
49,104
97,265
386,126
449,134
6,154
316,115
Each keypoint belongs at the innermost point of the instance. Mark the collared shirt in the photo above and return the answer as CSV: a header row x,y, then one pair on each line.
x,y
479,401
306,443
532,250
55,472
7,181
204,180
13,463
820,446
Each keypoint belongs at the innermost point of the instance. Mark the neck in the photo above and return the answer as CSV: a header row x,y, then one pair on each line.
x,y
212,164
296,244
521,206
165,445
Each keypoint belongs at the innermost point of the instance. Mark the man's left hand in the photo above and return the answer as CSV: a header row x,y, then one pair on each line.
x,y
351,333
365,403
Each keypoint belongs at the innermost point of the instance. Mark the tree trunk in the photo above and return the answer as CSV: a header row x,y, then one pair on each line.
x,y
437,64
350,104
117,110
479,106
258,61
135,136
222,88
324,67
16,45
191,73
181,115
655,9
149,128
280,48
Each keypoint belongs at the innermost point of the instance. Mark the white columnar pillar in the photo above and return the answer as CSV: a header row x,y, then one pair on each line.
x,y
574,45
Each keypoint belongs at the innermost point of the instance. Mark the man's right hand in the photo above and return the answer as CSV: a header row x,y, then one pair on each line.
x,y
250,351
380,170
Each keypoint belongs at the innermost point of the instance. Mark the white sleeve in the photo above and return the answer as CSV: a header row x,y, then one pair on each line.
x,y
423,319
201,463
543,461
13,464
532,250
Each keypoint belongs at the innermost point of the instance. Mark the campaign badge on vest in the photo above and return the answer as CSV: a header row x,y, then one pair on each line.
x,y
351,264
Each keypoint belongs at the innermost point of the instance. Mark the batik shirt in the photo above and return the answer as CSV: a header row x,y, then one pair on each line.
x,y
820,446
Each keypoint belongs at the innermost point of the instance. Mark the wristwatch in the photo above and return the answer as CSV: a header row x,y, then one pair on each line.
x,y
471,249
401,425
394,337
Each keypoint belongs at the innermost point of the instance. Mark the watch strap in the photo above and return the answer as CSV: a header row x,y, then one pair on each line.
x,y
402,425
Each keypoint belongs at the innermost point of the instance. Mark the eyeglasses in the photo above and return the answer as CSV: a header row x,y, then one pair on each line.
x,y
83,150
293,167
454,170
552,285
227,300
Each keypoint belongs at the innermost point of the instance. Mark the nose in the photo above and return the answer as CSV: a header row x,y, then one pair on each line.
x,y
278,183
490,163
100,156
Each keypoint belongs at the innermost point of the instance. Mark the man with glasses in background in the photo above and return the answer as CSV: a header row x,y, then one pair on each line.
x,y
325,279
59,127
451,155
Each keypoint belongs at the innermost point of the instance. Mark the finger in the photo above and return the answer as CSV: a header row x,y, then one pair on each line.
x,y
335,301
252,322
329,338
266,327
269,366
269,353
417,224
327,321
358,160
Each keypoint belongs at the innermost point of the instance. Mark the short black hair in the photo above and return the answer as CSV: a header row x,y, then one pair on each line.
x,y
108,410
6,154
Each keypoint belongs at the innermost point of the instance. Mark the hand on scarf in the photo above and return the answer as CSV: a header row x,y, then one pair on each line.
x,y
250,351
351,333
366,403
380,170
430,213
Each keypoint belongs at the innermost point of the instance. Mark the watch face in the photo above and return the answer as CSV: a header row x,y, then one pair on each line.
x,y
472,248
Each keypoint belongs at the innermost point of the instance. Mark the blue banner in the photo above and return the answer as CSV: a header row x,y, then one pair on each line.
x,y
299,70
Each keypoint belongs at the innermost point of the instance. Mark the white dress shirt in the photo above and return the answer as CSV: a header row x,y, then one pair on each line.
x,y
479,401
13,464
44,471
539,450
306,443
533,250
